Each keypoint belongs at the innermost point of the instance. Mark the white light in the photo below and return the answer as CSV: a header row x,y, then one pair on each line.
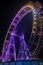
x,y
35,13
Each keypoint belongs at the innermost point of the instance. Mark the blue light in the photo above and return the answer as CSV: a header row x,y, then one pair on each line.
x,y
34,62
19,63
26,62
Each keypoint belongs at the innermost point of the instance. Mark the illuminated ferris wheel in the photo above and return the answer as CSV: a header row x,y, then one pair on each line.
x,y
16,46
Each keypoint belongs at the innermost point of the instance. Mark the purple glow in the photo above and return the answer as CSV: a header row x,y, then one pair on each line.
x,y
41,34
24,52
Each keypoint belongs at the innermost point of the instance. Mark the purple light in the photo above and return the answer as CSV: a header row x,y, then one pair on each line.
x,y
24,53
41,34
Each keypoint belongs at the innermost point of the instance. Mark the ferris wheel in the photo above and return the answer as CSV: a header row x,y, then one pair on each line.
x,y
15,46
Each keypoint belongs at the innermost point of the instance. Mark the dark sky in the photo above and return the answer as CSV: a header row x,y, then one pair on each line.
x,y
8,10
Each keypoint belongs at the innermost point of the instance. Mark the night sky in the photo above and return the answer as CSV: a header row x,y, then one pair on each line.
x,y
8,10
